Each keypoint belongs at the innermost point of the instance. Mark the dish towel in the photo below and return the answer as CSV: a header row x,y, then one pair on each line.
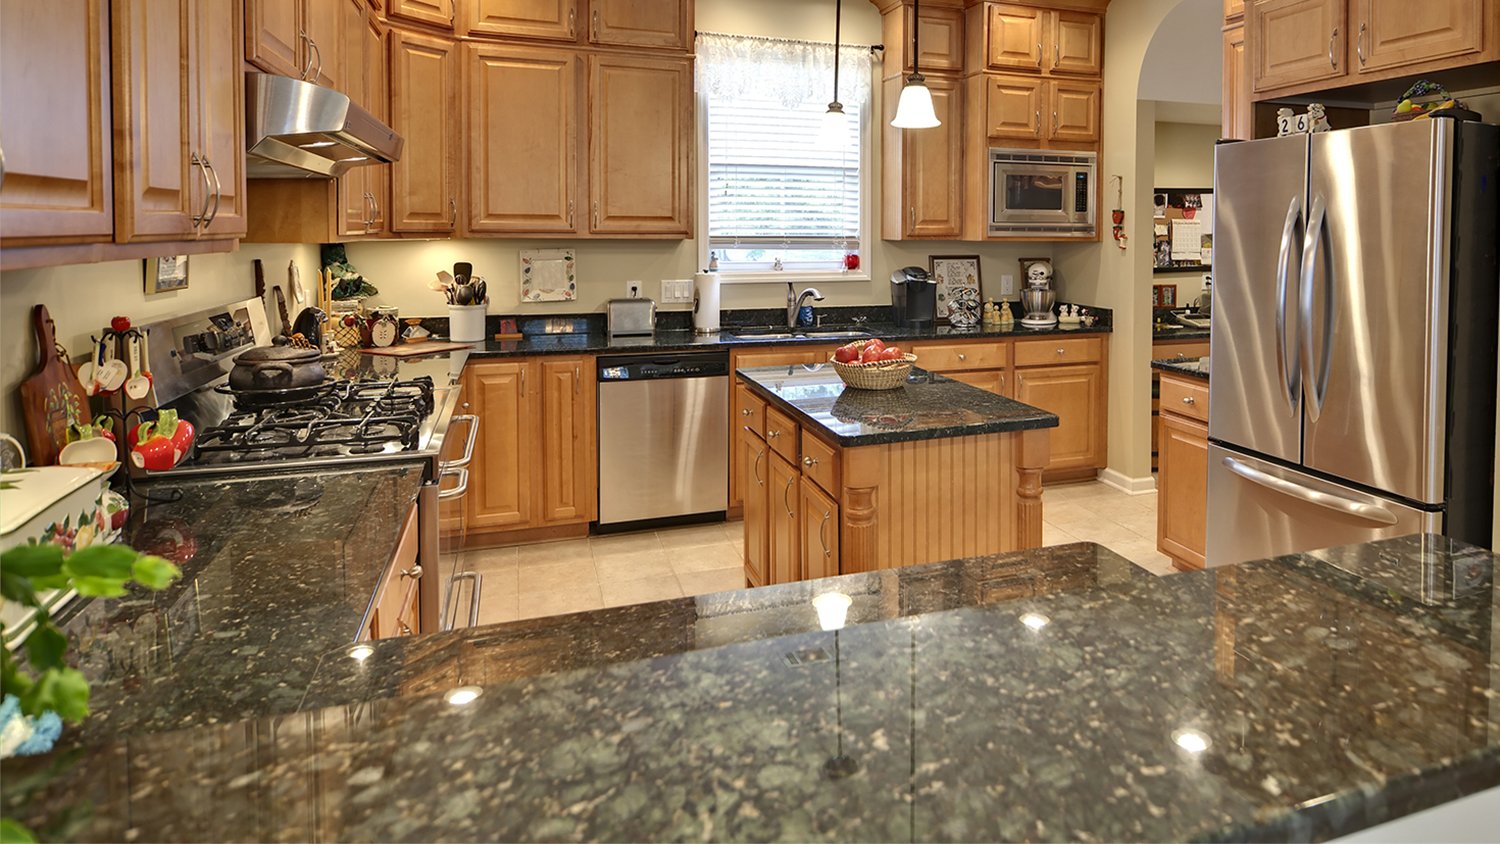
x,y
22,735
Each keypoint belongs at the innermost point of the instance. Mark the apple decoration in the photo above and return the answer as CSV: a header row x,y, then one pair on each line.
x,y
868,351
162,444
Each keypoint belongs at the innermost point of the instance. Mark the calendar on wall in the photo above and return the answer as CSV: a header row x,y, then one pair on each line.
x,y
1183,226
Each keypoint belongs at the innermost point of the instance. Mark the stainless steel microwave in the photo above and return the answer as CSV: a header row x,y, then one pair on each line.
x,y
1049,193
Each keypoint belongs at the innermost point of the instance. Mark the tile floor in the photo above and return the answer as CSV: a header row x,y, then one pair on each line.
x,y
607,571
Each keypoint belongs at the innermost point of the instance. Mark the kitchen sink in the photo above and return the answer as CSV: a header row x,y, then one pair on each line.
x,y
834,335
765,335
813,334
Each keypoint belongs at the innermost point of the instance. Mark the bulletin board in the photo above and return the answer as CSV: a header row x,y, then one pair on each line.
x,y
1182,220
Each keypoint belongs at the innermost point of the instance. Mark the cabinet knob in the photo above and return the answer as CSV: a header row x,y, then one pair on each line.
x,y
1189,400
809,462
745,411
772,434
1061,350
962,356
414,571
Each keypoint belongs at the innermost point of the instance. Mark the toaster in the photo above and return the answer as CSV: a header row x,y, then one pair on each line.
x,y
627,317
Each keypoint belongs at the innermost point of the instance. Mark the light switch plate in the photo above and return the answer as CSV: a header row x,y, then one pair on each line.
x,y
1007,285
676,291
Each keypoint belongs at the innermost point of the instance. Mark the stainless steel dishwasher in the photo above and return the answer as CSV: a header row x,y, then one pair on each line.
x,y
663,439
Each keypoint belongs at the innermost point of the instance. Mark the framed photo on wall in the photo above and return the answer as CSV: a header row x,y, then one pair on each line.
x,y
166,274
958,288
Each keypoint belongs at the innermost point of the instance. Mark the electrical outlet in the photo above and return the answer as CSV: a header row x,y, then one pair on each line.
x,y
633,289
1007,285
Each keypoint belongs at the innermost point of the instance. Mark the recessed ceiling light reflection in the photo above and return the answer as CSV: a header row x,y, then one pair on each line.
x,y
316,145
462,695
1035,620
360,653
1191,740
833,609
355,158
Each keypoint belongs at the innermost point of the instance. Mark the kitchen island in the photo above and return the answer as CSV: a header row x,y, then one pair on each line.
x,y
843,480
1057,694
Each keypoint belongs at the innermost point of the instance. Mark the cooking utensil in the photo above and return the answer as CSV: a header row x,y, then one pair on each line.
x,y
462,271
277,368
463,294
110,373
286,321
260,279
445,278
294,280
481,292
51,396
87,452
138,385
88,374
310,325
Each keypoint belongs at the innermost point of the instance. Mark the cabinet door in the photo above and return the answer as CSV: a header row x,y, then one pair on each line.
x,y
378,92
640,145
1236,108
1014,39
438,13
1234,9
820,532
1013,106
1182,498
754,487
355,207
501,474
784,553
941,38
569,480
1075,111
1297,41
273,36
1076,395
1077,40
993,380
423,107
157,189
745,411
323,21
1393,33
55,143
641,23
551,19
219,80
932,168
522,173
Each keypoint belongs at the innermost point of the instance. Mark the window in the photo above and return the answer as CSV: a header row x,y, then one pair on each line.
x,y
779,184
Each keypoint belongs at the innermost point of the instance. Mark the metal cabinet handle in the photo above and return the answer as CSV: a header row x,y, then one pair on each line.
x,y
745,411
405,628
577,379
1359,45
376,217
473,433
1054,122
912,215
570,202
809,462
452,212
1061,350
201,217
369,211
414,571
307,66
772,434
318,54
523,380
755,467
822,540
1332,38
962,356
2,166
784,492
1056,54
594,27
1189,400
218,192
596,208
1039,54
1038,123
572,21
450,615
457,490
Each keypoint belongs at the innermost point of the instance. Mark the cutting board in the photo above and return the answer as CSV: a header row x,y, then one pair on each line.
x,y
51,397
411,350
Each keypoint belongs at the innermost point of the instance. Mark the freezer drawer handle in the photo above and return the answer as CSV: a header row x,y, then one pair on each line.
x,y
1291,373
1368,512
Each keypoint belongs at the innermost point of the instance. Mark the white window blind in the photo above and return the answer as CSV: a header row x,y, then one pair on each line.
x,y
779,187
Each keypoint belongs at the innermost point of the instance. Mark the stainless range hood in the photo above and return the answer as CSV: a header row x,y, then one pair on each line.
x,y
299,130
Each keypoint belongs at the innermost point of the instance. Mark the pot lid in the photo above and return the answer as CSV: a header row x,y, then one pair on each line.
x,y
288,354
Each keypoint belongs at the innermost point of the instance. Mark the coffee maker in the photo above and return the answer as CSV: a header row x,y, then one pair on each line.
x,y
914,297
1038,298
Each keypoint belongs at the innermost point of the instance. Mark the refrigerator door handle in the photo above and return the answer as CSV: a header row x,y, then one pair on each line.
x,y
1317,385
1369,512
1291,372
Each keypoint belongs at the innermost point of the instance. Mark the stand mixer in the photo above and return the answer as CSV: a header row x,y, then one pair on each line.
x,y
1038,297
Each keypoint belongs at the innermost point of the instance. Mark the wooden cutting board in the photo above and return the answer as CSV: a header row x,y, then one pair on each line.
x,y
411,350
51,397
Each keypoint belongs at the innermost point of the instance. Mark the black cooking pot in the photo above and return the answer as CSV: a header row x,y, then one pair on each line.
x,y
277,368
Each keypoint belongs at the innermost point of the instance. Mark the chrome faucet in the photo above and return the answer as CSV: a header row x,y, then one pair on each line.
x,y
794,302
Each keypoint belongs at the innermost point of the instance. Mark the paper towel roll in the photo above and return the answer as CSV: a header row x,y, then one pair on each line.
x,y
706,303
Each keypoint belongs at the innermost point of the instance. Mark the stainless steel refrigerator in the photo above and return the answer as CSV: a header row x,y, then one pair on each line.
x,y
1354,338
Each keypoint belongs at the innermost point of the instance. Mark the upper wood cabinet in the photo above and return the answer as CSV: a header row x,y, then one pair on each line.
x,y
501,476
437,13
1234,10
324,22
1010,37
553,20
523,174
1236,108
1013,105
219,106
1075,110
1077,43
567,454
362,190
1396,33
641,148
424,109
1297,41
641,23
275,36
941,39
923,168
56,184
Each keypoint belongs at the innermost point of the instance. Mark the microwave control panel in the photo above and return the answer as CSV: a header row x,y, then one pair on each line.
x,y
1081,193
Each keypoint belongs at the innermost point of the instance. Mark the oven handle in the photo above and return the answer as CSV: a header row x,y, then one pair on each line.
x,y
473,422
452,615
458,490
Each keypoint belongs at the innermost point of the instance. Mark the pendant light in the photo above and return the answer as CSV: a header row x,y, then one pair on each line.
x,y
835,128
914,109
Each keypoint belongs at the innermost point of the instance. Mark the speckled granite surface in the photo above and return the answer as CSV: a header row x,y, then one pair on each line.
x,y
1334,690
276,572
1161,333
1191,367
929,407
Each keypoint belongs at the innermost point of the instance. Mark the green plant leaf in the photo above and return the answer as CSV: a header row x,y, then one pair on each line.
x,y
12,681
16,588
32,561
103,561
62,690
12,832
45,645
54,581
99,587
154,572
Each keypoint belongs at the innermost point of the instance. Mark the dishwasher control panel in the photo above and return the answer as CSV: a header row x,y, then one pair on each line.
x,y
650,367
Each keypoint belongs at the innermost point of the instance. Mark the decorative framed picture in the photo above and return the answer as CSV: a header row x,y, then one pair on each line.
x,y
548,275
166,274
1163,295
958,288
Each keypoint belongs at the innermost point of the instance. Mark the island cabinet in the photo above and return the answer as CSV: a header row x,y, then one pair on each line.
x,y
1182,482
840,481
533,474
743,407
397,607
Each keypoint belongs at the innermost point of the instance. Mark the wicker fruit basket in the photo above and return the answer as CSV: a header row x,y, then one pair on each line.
x,y
882,375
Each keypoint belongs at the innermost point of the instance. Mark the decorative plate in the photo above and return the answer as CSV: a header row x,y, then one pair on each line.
x,y
548,275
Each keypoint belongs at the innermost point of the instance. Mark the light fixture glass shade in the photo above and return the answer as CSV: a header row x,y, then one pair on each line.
x,y
914,109
833,131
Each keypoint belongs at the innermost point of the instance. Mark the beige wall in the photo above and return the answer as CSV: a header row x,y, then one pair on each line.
x,y
1185,155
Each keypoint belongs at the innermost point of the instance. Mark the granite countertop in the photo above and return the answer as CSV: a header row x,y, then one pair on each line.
x,y
929,407
1191,367
276,572
1160,333
1334,690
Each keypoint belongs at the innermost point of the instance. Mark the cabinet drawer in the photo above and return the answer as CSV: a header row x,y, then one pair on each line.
x,y
820,463
749,411
1184,398
946,357
1051,352
781,435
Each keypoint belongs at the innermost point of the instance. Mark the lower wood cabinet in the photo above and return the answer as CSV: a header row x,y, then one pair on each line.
x,y
1067,376
397,608
784,523
819,514
1182,482
754,456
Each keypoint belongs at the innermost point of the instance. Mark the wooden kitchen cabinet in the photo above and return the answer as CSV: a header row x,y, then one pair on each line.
x,y
1067,377
1013,36
568,444
397,608
923,168
424,109
1022,38
274,40
1182,480
784,527
641,23
746,411
1397,33
552,20
523,174
501,479
1013,105
1075,111
1077,43
996,381
56,184
941,38
158,187
434,13
219,107
1237,108
754,456
1297,42
363,190
819,515
641,146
